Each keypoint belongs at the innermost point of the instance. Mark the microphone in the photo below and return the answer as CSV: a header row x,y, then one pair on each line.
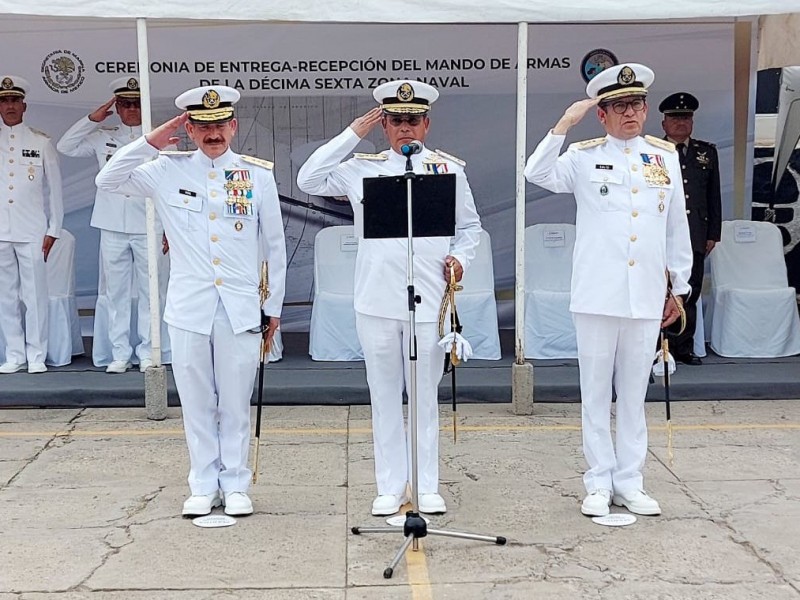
x,y
414,147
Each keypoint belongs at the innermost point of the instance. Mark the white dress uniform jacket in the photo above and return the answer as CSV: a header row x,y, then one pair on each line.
x,y
28,159
629,231
215,254
380,277
112,212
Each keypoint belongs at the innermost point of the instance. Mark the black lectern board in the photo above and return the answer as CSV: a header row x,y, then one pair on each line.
x,y
433,206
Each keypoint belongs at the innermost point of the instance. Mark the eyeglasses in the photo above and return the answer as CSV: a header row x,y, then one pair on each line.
x,y
413,121
129,103
621,106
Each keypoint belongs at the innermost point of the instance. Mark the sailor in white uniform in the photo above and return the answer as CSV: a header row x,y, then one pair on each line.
x,y
221,214
381,298
122,224
631,231
27,232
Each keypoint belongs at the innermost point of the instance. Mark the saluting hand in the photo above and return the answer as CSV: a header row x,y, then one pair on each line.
x,y
164,135
573,115
364,124
459,270
102,113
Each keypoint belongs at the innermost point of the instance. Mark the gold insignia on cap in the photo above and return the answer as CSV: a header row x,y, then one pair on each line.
x,y
7,83
132,84
626,76
405,93
211,99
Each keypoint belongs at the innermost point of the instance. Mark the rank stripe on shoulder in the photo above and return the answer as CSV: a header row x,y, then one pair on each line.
x,y
586,144
37,132
259,162
367,156
663,144
455,159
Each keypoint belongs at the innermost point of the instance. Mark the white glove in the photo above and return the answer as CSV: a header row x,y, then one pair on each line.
x,y
658,366
463,347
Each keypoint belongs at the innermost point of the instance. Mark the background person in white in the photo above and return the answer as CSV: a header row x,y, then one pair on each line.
x,y
220,211
26,236
631,229
381,299
122,223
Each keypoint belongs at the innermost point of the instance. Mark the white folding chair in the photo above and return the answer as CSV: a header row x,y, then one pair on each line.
x,y
332,333
63,329
477,308
753,311
549,330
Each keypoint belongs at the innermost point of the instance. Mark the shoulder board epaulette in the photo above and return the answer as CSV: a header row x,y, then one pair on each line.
x,y
455,159
259,162
366,156
176,152
663,144
586,144
704,143
37,132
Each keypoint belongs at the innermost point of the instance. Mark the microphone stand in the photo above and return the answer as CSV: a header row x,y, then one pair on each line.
x,y
415,526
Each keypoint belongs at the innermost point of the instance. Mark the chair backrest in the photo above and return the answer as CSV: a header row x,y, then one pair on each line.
x,y
479,277
548,256
335,251
61,266
749,256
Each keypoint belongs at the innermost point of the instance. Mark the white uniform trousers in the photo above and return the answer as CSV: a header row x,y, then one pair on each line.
x,y
122,253
24,277
385,344
614,351
214,375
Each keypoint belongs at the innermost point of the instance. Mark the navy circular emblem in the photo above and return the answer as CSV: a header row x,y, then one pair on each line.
x,y
597,61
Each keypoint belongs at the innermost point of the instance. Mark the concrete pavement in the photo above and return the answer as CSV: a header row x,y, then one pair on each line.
x,y
90,502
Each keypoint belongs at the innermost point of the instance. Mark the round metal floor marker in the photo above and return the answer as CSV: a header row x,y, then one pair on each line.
x,y
615,520
400,520
214,521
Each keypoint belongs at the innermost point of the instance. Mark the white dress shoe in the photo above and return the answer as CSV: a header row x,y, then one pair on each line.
x,y
118,366
388,504
145,364
432,504
637,502
237,503
11,367
37,368
197,506
596,503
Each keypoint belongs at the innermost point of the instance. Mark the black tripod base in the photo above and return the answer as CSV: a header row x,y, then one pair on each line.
x,y
416,528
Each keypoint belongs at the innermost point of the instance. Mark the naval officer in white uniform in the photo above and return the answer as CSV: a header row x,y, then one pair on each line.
x,y
631,230
27,232
122,223
381,299
220,211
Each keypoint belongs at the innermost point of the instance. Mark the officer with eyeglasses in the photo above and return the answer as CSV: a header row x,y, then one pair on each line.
x,y
381,298
123,230
631,235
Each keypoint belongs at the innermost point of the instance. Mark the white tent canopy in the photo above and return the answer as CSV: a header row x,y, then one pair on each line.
x,y
408,11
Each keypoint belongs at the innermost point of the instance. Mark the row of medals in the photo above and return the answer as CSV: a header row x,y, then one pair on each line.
x,y
654,175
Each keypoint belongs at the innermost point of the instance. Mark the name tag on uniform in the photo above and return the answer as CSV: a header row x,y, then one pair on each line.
x,y
31,153
605,167
188,193
110,145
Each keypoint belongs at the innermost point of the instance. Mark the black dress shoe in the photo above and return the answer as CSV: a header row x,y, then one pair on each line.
x,y
689,359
